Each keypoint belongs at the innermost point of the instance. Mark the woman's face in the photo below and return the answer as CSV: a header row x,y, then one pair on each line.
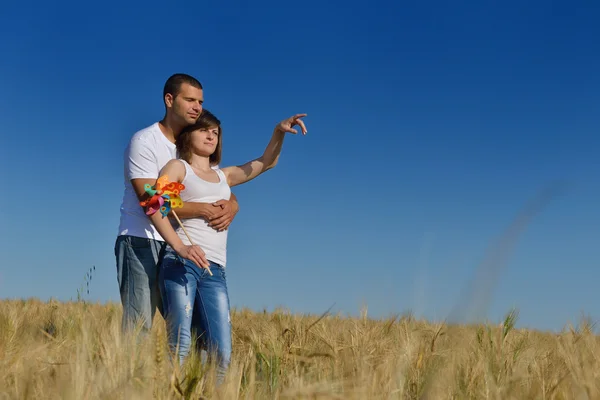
x,y
204,141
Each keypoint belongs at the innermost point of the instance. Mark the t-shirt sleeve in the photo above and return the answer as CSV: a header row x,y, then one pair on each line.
x,y
140,160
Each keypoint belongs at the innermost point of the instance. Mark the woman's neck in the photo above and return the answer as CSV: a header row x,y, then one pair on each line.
x,y
200,162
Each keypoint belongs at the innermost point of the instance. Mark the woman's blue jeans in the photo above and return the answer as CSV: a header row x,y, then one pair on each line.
x,y
195,301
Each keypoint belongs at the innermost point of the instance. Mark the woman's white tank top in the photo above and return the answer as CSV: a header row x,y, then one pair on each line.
x,y
213,243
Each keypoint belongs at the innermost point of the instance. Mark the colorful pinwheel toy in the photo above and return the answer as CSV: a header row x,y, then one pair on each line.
x,y
164,197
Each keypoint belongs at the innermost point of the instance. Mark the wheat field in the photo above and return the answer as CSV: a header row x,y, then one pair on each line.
x,y
75,350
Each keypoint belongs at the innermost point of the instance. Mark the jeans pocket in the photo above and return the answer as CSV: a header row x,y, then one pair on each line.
x,y
203,273
171,259
138,242
219,272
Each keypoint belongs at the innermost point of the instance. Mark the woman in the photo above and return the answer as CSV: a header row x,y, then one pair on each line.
x,y
186,289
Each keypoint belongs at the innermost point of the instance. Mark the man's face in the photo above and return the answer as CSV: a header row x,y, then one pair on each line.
x,y
187,106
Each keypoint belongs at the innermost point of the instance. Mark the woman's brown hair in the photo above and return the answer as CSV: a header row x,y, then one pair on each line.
x,y
206,120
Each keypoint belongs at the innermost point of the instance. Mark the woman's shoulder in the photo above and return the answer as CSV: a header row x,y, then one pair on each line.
x,y
219,172
218,169
175,168
176,163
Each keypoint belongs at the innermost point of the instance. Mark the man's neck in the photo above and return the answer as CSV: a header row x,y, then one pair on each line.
x,y
169,129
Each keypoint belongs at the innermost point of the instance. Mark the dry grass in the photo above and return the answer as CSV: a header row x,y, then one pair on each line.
x,y
75,351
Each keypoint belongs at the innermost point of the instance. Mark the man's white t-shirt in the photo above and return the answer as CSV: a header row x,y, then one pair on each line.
x,y
147,153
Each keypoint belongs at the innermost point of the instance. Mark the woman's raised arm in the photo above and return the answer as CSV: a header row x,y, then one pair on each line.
x,y
236,175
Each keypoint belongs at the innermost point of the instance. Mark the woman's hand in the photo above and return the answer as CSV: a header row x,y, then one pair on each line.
x,y
193,253
287,125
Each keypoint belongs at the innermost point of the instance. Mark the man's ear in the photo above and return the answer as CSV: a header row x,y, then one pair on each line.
x,y
169,100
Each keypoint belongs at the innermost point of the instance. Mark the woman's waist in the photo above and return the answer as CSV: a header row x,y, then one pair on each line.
x,y
205,198
170,256
200,232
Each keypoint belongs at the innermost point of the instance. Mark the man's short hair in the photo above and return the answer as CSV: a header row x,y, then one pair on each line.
x,y
173,84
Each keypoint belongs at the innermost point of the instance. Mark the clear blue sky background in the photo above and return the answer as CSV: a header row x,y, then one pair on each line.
x,y
430,125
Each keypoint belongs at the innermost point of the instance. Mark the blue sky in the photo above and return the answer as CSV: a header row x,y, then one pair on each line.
x,y
430,126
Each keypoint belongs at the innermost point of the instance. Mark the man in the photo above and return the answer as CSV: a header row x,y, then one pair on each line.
x,y
139,245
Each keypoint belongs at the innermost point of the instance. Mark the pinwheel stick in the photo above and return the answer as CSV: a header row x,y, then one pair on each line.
x,y
186,234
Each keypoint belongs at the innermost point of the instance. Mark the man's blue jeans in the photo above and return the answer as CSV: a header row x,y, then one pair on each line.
x,y
189,291
138,261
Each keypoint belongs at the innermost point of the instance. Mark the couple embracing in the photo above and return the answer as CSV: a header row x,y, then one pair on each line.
x,y
157,266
